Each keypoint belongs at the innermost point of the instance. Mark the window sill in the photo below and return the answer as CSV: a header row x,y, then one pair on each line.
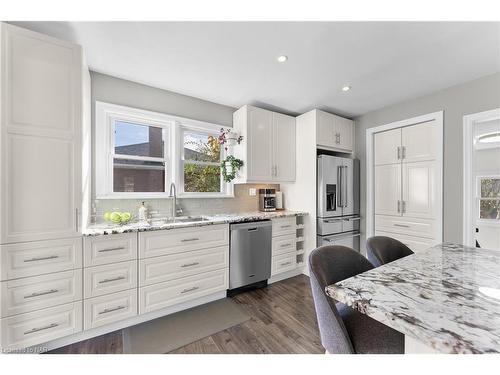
x,y
139,196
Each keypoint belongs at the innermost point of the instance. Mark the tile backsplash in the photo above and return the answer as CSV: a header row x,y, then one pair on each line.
x,y
242,202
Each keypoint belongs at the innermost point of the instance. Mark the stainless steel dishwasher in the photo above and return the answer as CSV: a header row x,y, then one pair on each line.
x,y
250,253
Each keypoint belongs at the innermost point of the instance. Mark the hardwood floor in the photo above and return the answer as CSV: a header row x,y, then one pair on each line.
x,y
282,321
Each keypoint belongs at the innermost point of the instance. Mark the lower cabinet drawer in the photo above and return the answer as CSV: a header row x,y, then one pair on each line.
x,y
110,278
110,308
405,225
109,249
283,263
414,243
158,296
284,244
169,267
39,292
38,327
284,225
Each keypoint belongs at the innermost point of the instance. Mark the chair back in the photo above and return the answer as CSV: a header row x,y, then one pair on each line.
x,y
328,265
382,250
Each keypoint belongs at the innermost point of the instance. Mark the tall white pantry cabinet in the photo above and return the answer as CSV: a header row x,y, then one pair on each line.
x,y
406,177
42,79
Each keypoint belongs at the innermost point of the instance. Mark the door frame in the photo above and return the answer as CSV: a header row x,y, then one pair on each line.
x,y
469,183
370,200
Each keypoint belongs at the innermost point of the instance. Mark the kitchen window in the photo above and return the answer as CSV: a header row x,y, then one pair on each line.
x,y
140,153
489,198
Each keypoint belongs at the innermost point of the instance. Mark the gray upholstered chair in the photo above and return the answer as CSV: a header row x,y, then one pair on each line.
x,y
382,250
342,329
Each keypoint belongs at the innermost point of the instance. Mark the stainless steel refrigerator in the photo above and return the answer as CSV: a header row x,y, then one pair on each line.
x,y
338,201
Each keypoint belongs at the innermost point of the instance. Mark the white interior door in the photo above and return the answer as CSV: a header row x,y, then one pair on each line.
x,y
419,189
419,142
386,147
387,188
260,144
284,147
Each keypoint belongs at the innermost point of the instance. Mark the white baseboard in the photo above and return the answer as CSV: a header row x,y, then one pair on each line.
x,y
85,335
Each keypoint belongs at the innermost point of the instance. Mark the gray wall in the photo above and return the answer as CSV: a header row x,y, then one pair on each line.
x,y
475,96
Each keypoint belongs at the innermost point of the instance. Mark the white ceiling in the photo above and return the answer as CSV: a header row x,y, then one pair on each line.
x,y
235,63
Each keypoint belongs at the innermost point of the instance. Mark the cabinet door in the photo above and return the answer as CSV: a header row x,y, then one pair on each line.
x,y
386,147
260,145
40,131
419,189
284,147
387,189
325,129
345,128
420,142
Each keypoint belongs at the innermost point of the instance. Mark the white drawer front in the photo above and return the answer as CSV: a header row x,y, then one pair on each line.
x,y
110,278
41,326
157,296
39,292
174,266
414,243
109,249
40,257
284,244
110,308
283,263
405,225
285,225
174,241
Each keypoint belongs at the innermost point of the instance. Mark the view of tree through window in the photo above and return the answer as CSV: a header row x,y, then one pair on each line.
x,y
202,155
489,202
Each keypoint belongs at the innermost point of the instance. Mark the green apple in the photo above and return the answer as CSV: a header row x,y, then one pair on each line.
x,y
125,216
115,217
107,216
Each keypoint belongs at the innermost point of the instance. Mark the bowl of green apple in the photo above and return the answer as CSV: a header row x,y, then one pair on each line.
x,y
119,218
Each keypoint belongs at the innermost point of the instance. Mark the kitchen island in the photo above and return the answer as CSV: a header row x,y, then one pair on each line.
x,y
444,299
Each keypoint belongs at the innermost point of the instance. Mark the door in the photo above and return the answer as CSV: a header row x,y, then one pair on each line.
x,y
419,190
329,199
345,133
325,129
260,144
40,131
387,187
284,148
386,146
419,142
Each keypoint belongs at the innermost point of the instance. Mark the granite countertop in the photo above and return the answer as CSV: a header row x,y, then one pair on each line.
x,y
100,229
447,297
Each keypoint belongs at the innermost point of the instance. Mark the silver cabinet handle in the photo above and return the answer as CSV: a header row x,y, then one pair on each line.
x,y
401,225
403,152
53,325
399,152
286,244
190,289
285,226
77,220
190,239
39,259
111,249
399,206
190,264
403,208
332,220
285,264
36,294
105,311
113,279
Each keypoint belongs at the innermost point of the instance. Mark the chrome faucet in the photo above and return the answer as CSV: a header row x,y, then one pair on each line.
x,y
173,194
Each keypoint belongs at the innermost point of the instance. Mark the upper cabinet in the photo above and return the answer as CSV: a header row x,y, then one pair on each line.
x,y
334,132
40,131
268,146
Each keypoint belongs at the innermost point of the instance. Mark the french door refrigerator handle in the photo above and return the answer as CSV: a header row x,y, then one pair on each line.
x,y
339,185
344,181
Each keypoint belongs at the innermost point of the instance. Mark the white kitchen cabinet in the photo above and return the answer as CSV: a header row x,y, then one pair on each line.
x,y
40,132
418,144
334,132
387,145
419,189
268,146
387,189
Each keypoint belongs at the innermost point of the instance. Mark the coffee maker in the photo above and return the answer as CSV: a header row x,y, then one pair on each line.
x,y
267,200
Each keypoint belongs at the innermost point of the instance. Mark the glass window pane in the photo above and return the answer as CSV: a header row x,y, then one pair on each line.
x,y
201,147
138,176
138,140
490,187
201,178
489,209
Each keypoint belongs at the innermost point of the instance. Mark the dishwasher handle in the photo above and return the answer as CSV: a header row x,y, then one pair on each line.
x,y
251,226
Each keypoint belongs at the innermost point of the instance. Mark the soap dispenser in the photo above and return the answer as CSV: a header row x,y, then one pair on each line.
x,y
143,212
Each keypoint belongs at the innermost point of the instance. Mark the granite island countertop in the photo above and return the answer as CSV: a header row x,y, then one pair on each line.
x,y
446,297
106,228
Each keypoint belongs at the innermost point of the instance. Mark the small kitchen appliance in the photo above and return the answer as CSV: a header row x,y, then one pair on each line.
x,y
267,200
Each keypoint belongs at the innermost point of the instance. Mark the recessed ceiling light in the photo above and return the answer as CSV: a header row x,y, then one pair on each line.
x,y
346,88
282,58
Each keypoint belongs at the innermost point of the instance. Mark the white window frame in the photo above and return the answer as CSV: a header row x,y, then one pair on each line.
x,y
479,220
105,116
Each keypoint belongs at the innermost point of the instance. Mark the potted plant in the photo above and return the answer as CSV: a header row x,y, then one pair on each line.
x,y
229,167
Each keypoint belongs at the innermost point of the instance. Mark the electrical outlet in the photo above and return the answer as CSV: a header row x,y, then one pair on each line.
x,y
252,192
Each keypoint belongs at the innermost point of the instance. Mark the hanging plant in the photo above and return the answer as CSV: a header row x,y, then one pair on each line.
x,y
229,138
229,167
